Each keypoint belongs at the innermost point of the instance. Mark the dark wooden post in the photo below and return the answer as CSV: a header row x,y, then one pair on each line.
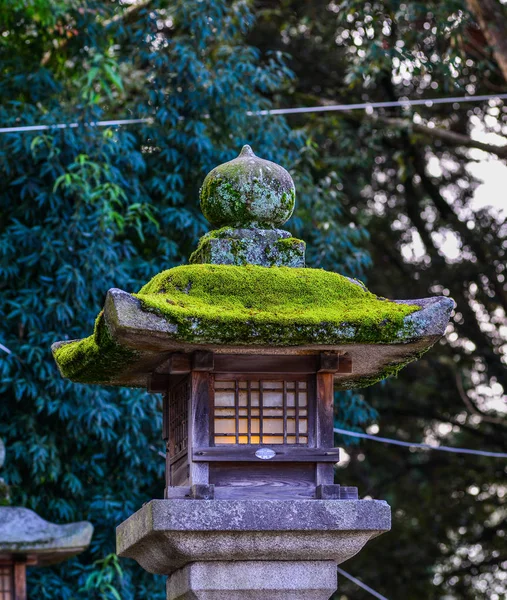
x,y
19,581
12,579
199,431
325,436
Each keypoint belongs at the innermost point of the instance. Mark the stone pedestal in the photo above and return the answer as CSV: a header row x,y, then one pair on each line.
x,y
241,549
237,246
253,580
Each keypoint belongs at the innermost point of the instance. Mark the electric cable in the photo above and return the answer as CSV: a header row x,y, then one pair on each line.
x,y
365,587
384,440
404,103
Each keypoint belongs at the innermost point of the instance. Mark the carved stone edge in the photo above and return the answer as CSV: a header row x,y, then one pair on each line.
x,y
165,535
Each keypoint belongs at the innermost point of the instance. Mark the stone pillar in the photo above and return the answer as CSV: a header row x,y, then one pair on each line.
x,y
250,549
253,580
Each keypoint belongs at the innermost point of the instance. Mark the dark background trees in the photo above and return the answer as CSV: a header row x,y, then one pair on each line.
x,y
410,182
391,190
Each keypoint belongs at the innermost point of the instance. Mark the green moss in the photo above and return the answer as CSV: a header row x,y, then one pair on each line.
x,y
369,380
85,360
249,305
287,204
219,234
277,305
236,249
222,203
287,252
291,243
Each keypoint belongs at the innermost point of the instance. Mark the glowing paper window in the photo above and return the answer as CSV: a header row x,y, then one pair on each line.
x,y
260,411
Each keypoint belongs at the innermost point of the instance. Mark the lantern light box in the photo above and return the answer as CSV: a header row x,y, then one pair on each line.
x,y
249,426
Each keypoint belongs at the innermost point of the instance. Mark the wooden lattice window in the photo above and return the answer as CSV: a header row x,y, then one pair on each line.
x,y
260,411
178,418
6,583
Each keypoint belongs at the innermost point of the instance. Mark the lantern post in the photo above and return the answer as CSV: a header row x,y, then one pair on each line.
x,y
247,346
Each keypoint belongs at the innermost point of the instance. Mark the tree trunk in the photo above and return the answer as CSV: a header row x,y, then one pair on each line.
x,y
490,15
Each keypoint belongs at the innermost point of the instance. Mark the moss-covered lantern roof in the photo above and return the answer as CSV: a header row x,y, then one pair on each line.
x,y
248,291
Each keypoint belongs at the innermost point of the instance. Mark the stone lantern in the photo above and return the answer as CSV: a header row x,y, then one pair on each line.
x,y
247,347
28,540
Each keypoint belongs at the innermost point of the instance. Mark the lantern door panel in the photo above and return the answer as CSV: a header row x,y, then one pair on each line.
x,y
249,434
252,411
260,410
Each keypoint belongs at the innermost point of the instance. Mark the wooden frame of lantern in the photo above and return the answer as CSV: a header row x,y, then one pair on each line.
x,y
250,426
13,576
26,539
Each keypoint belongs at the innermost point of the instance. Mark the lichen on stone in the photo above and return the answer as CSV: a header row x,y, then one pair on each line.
x,y
239,247
248,191
288,252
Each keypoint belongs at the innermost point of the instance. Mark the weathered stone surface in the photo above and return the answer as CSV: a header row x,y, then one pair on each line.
x,y
253,580
433,317
248,191
263,247
165,535
23,532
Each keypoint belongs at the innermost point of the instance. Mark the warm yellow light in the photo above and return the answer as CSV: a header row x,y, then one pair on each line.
x,y
243,408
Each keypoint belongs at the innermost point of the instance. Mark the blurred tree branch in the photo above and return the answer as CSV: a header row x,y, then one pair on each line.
x,y
445,135
472,408
128,14
436,133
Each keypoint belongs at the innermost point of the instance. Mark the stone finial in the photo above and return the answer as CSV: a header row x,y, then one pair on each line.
x,y
248,192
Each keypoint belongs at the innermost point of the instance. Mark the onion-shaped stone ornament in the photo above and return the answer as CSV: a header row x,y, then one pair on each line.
x,y
248,192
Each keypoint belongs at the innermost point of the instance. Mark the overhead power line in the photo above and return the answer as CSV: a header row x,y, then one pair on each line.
x,y
404,103
23,128
361,584
373,105
384,440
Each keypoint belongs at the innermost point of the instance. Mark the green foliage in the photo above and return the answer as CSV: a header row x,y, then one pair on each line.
x,y
102,581
83,209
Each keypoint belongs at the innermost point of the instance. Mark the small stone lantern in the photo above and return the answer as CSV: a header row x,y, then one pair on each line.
x,y
247,346
27,540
